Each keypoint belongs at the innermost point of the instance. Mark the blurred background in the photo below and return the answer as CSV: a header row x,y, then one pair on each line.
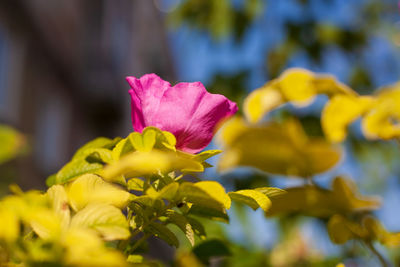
x,y
63,64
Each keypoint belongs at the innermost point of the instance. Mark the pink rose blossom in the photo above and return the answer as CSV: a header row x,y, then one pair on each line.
x,y
187,110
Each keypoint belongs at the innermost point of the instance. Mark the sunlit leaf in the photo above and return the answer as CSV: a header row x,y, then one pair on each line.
x,y
278,149
59,199
382,121
296,85
261,101
216,191
100,142
138,164
9,225
85,249
314,201
104,218
204,204
76,168
252,198
135,184
168,192
45,223
90,188
271,191
341,111
196,195
202,156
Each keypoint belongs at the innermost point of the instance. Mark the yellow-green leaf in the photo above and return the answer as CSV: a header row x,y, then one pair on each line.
x,y
59,199
261,101
11,143
105,219
296,85
135,184
313,201
76,168
100,142
90,188
168,192
279,149
341,111
271,191
84,248
216,191
138,164
9,225
252,198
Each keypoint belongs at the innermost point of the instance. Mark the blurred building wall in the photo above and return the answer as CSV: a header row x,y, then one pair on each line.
x,y
62,70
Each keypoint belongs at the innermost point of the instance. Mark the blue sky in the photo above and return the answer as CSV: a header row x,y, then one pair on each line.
x,y
198,58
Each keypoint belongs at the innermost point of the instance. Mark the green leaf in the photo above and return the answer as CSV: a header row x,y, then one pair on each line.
x,y
181,221
209,213
168,192
135,258
101,155
148,139
209,249
162,232
208,194
197,227
51,180
99,142
152,137
76,168
193,194
252,198
104,218
120,149
135,184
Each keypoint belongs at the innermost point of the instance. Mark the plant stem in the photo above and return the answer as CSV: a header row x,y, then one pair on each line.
x,y
139,242
381,259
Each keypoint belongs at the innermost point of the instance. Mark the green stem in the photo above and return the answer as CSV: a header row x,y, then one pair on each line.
x,y
137,230
381,259
139,242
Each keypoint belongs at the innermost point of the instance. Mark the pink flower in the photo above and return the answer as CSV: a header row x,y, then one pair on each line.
x,y
187,110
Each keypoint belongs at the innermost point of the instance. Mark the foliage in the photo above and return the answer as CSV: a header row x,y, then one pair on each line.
x,y
114,194
279,145
11,143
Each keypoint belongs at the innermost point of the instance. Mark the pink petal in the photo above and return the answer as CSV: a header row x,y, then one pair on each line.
x,y
187,110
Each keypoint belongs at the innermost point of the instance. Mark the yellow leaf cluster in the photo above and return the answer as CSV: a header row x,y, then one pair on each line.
x,y
310,200
368,229
277,148
380,112
295,85
75,219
